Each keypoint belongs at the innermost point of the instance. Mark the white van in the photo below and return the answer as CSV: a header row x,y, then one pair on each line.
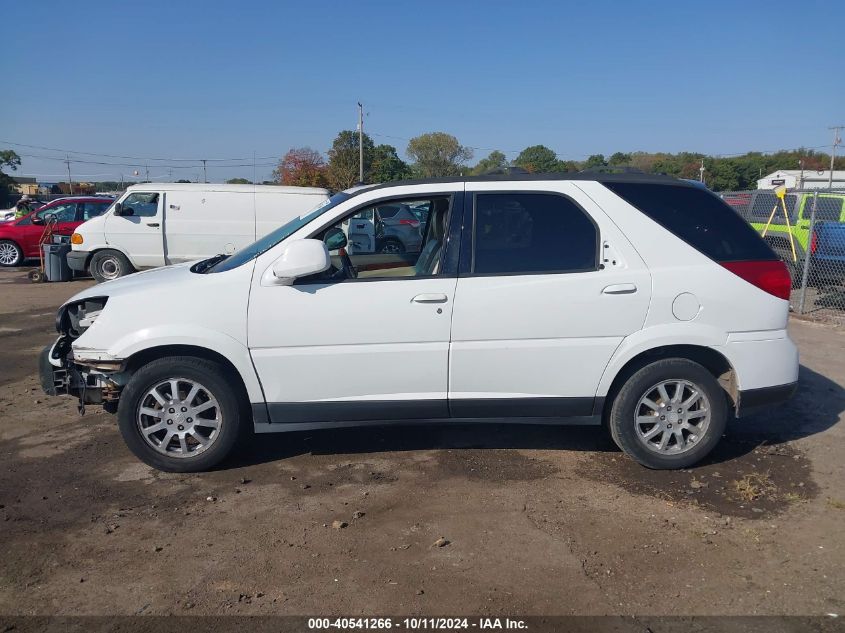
x,y
157,224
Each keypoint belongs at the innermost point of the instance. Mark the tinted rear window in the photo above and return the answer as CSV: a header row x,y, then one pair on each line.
x,y
699,218
827,209
765,201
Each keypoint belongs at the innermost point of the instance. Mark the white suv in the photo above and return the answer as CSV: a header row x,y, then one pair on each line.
x,y
643,303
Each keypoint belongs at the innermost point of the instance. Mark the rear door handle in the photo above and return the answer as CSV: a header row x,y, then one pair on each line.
x,y
430,298
153,224
620,289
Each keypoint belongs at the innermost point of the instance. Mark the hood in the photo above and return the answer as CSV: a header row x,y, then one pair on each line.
x,y
93,228
140,282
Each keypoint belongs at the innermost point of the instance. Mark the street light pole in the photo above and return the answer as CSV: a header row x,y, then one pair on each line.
x,y
836,141
360,143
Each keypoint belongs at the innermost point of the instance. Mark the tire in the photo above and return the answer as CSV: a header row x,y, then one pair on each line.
x,y
213,383
709,413
391,247
10,253
107,265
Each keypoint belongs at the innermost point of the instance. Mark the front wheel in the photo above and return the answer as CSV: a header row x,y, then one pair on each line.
x,y
10,253
107,265
180,414
669,414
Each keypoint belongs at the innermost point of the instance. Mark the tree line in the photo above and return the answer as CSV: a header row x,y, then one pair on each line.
x,y
437,155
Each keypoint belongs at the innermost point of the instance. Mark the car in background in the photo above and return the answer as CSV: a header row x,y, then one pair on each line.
x,y
827,253
7,215
19,239
397,229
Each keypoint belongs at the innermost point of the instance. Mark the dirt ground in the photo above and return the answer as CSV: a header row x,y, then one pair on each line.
x,y
536,520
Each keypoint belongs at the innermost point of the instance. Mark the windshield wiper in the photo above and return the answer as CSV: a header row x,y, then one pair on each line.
x,y
206,264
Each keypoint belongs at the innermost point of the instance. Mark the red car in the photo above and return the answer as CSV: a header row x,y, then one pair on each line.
x,y
19,238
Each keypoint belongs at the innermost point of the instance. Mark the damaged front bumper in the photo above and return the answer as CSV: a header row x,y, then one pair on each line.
x,y
94,381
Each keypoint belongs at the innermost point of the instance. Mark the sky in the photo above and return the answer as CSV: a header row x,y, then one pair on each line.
x,y
230,80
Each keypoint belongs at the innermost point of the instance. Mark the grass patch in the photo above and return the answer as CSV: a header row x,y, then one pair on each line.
x,y
834,503
754,486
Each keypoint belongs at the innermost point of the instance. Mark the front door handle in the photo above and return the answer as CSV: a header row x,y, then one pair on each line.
x,y
620,289
153,224
430,298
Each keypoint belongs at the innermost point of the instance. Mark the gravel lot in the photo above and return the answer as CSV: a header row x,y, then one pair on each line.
x,y
526,520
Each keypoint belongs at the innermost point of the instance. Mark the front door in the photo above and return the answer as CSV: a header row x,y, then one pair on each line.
x,y
548,289
32,227
138,232
371,344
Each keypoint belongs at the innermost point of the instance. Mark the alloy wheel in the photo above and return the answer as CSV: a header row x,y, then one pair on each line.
x,y
672,417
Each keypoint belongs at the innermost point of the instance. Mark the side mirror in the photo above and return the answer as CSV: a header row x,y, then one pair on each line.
x,y
119,209
300,259
334,239
37,220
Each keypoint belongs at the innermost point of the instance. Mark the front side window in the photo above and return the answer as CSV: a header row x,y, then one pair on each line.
x,y
144,205
384,241
93,209
62,212
524,233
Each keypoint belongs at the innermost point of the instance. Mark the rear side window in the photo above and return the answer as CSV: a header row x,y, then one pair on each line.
x,y
765,201
523,233
699,218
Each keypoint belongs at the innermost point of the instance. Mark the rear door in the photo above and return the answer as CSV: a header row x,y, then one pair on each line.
x,y
139,233
548,289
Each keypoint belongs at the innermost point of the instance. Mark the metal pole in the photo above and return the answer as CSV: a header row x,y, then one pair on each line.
x,y
69,181
836,141
805,274
204,172
360,143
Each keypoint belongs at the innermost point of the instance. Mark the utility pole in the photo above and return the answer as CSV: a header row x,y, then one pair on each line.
x,y
204,172
69,181
836,141
801,177
701,171
360,143
147,171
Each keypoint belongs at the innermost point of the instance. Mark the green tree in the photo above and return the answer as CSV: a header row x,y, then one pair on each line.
x,y
437,154
386,166
342,170
538,159
9,159
596,160
495,160
238,181
619,158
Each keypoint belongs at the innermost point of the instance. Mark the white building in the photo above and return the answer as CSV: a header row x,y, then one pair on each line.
x,y
802,179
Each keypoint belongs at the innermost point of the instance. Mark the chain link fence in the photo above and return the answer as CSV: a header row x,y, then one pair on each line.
x,y
806,228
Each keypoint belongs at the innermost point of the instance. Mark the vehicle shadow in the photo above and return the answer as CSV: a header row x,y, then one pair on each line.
x,y
817,406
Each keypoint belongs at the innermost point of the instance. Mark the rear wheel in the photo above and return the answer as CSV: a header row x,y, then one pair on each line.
x,y
10,253
180,414
392,247
669,414
108,264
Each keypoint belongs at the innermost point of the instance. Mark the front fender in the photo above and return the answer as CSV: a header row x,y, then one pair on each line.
x,y
197,336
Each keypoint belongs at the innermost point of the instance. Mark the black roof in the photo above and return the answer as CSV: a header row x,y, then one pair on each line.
x,y
595,176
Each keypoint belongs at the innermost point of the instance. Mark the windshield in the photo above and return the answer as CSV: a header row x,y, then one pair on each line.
x,y
248,253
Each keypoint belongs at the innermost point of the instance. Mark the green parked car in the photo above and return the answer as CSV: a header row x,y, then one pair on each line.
x,y
757,210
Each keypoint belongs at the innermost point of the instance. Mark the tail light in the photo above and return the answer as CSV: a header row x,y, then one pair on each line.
x,y
770,276
814,243
413,223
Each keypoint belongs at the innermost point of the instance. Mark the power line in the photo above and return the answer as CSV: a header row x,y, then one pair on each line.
x,y
140,158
